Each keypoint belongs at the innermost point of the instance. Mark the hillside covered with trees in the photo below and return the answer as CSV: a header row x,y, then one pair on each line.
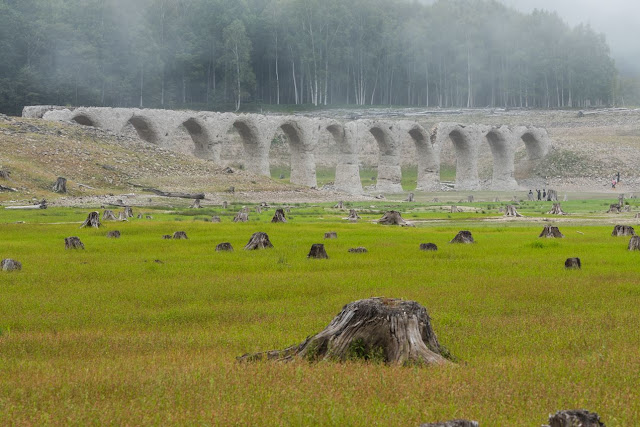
x,y
235,54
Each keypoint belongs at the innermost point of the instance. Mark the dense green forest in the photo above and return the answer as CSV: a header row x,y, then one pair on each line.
x,y
244,54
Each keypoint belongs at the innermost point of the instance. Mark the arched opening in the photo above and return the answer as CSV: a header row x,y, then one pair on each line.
x,y
84,120
347,170
535,147
145,129
466,165
256,154
428,159
503,164
389,170
202,144
303,166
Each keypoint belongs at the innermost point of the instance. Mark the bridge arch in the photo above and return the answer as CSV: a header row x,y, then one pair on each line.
x,y
466,149
303,165
202,144
389,169
428,158
145,129
348,169
85,120
256,151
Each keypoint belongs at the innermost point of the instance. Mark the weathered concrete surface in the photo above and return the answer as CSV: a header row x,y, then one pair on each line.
x,y
211,136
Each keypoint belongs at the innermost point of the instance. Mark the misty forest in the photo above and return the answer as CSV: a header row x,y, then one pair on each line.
x,y
243,54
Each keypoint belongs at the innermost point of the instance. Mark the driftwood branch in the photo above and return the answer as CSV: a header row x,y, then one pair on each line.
x,y
197,196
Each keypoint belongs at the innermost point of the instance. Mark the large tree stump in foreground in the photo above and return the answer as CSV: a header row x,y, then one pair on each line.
x,y
353,215
386,330
115,234
463,236
452,423
623,230
511,211
108,215
550,231
258,240
224,247
634,243
358,250
279,216
394,218
575,418
556,210
318,252
93,220
60,186
428,247
241,217
573,264
180,235
9,264
73,242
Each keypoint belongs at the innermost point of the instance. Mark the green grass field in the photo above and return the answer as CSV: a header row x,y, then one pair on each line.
x,y
140,330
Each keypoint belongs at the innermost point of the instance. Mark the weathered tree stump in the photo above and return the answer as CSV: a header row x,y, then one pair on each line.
x,y
287,209
149,217
195,204
339,205
216,219
93,220
394,218
264,205
353,215
627,208
224,247
258,240
180,235
634,243
452,423
331,235
511,211
623,230
140,216
470,199
128,212
496,200
556,210
428,247
241,217
550,231
108,215
410,197
436,200
552,196
4,174
115,234
167,237
122,216
380,197
231,190
258,210
615,208
573,264
318,252
637,216
60,186
224,205
515,200
386,330
279,216
621,199
455,209
9,264
228,170
358,250
73,243
463,236
575,418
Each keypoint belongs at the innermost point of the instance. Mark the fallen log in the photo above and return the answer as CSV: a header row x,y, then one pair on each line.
x,y
198,196
41,205
4,188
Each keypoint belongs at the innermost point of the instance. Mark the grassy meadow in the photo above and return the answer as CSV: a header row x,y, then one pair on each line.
x,y
140,330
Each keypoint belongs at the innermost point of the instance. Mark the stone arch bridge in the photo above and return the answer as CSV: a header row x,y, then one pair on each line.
x,y
206,134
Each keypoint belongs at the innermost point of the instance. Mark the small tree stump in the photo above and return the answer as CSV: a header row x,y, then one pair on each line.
x,y
634,243
224,247
128,212
623,230
556,210
215,219
279,216
122,216
140,216
575,418
454,209
195,204
552,196
318,252
224,205
9,264
258,240
463,236
108,215
180,235
637,216
394,218
428,247
410,197
331,235
353,215
496,200
573,264
550,231
167,237
511,211
452,423
386,330
5,174
149,217
60,186
115,234
339,205
615,208
470,199
231,190
287,209
241,217
621,199
93,220
73,243
358,250
258,210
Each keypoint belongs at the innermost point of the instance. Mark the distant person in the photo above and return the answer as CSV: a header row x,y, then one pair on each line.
x,y
539,195
613,183
530,194
544,194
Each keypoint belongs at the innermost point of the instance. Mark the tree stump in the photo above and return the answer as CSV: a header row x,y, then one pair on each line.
x,y
511,211
287,209
241,217
623,230
167,237
428,247
358,250
386,330
410,197
115,234
318,252
353,216
615,208
224,205
550,231
452,423
331,235
224,247
463,236
394,218
339,205
552,196
215,219
93,220
637,216
556,210
634,243
108,215
575,418
195,204
264,205
454,209
621,199
470,199
128,212
496,200
73,243
258,210
4,174
231,190
9,264
122,216
60,186
140,216
573,264
279,216
436,200
258,240
180,235
627,208
149,217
